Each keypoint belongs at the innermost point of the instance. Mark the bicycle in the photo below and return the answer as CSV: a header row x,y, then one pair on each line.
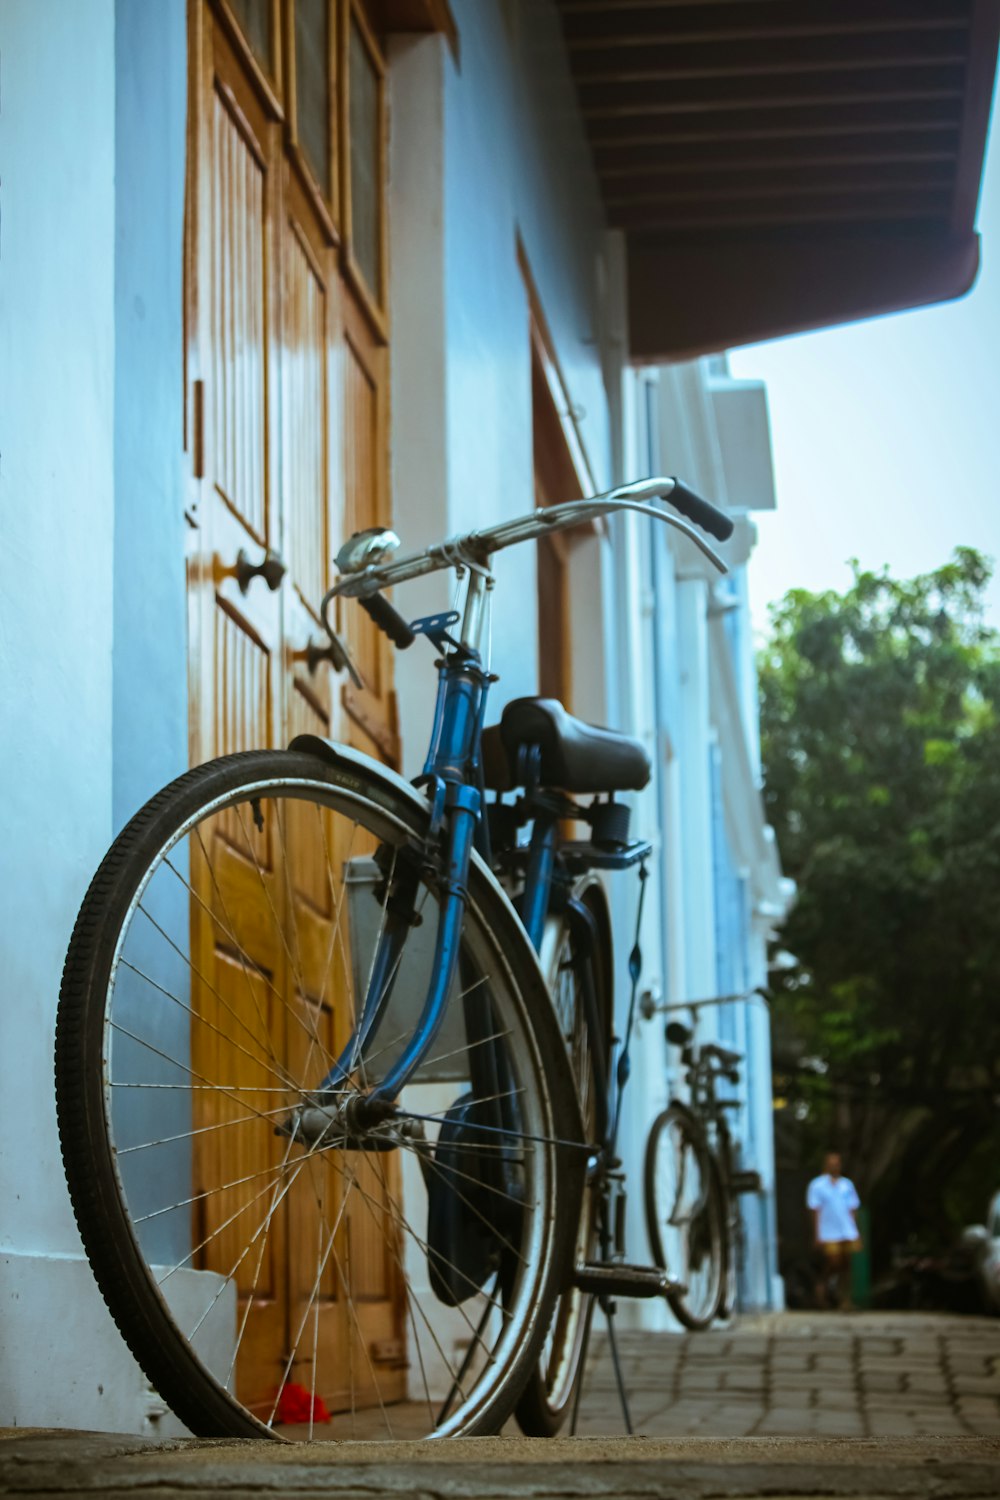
x,y
693,1182
325,1129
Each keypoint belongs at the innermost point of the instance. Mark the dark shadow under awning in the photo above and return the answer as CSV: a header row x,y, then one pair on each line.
x,y
778,165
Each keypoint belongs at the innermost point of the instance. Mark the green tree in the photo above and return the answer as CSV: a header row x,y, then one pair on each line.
x,y
880,714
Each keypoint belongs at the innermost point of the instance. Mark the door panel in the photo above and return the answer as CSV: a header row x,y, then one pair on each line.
x,y
306,405
242,682
287,383
372,709
238,298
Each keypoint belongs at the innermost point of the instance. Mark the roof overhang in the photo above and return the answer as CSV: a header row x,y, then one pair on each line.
x,y
781,165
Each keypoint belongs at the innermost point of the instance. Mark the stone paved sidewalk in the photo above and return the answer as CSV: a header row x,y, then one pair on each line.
x,y
806,1374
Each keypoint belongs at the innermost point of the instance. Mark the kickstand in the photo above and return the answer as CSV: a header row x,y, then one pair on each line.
x,y
608,1308
588,1324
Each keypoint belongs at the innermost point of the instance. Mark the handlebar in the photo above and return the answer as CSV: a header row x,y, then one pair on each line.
x,y
474,549
388,619
700,511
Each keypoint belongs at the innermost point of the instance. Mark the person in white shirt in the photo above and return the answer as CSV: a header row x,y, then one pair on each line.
x,y
834,1202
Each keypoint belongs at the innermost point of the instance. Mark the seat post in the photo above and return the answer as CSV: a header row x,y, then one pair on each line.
x,y
541,860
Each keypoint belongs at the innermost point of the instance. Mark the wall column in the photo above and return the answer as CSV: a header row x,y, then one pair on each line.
x,y
698,885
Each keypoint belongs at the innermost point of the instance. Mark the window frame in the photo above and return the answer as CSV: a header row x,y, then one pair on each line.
x,y
271,85
373,300
327,202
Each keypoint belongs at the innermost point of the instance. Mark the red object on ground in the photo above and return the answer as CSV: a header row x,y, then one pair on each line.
x,y
295,1404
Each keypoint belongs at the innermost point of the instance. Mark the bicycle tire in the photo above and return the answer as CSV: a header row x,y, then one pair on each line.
x,y
733,1243
684,1214
96,1128
550,1392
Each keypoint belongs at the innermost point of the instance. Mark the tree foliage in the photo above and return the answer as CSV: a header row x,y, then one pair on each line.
x,y
880,716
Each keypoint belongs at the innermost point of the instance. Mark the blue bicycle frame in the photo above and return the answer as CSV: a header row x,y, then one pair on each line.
x,y
452,777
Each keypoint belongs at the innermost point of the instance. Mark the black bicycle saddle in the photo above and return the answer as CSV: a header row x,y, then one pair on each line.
x,y
576,757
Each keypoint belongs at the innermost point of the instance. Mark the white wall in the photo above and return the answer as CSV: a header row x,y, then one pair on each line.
x,y
64,371
516,163
727,855
56,490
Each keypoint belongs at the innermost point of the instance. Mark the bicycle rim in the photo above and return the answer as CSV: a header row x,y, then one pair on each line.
x,y
274,1279
550,1390
683,1215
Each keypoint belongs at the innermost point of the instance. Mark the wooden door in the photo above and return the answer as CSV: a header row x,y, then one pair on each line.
x,y
287,429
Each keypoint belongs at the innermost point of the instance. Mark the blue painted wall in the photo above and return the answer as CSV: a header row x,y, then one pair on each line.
x,y
149,653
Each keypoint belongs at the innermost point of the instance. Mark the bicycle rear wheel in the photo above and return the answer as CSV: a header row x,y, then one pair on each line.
x,y
549,1395
274,1274
684,1215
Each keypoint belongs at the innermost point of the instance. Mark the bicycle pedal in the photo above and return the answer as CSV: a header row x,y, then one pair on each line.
x,y
620,1280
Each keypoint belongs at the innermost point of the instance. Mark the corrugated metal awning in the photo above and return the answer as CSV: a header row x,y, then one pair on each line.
x,y
778,165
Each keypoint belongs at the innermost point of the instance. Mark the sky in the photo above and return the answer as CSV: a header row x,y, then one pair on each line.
x,y
886,437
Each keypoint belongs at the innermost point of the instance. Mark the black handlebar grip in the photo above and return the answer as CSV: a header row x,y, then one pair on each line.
x,y
702,512
388,620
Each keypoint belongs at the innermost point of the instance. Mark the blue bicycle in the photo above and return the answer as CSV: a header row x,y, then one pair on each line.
x,y
336,1086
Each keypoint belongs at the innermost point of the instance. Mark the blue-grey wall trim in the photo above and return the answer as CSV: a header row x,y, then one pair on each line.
x,y
150,713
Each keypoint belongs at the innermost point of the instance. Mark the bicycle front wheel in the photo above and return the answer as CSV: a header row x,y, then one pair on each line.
x,y
684,1215
273,1272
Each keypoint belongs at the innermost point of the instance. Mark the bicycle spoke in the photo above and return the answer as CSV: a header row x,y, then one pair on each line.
x,y
403,1223
277,1170
263,1227
196,1016
297,965
485,1187
189,1088
300,984
256,1278
444,1174
320,1268
186,1135
346,1283
214,1087
504,1130
229,932
222,1187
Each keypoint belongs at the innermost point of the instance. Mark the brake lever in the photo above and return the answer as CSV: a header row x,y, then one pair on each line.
x,y
340,656
342,660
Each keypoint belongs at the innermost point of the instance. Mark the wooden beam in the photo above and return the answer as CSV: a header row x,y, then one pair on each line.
x,y
767,58
616,164
841,88
930,208
781,124
639,25
695,298
667,188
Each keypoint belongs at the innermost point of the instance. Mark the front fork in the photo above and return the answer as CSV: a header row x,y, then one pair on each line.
x,y
461,816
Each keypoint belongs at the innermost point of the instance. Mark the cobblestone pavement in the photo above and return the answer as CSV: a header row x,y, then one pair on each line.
x,y
806,1374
